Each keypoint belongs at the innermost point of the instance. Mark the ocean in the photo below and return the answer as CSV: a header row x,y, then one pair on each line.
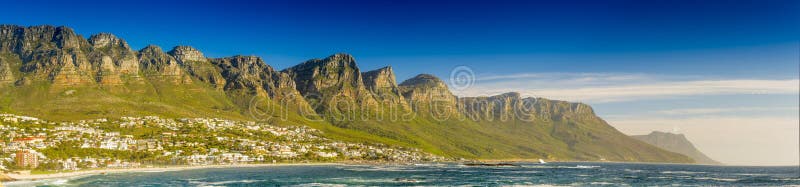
x,y
526,174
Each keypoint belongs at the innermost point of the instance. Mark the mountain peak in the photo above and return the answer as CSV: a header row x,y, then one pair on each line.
x,y
509,95
245,62
424,79
382,83
383,69
187,53
152,48
343,56
101,40
676,143
335,76
336,60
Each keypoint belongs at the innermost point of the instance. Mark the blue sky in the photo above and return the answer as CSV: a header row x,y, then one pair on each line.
x,y
692,67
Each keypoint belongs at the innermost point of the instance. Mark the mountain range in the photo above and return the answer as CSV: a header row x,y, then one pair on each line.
x,y
53,73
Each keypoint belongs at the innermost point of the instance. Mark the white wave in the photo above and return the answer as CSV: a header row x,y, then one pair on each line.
x,y
222,183
682,172
320,184
384,168
787,179
751,174
413,179
539,166
524,172
633,170
578,167
153,171
45,182
60,182
716,179
662,177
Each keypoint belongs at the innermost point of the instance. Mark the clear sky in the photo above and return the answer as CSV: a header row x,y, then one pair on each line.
x,y
725,73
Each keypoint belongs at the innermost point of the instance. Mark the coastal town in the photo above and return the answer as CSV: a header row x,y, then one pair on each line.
x,y
33,145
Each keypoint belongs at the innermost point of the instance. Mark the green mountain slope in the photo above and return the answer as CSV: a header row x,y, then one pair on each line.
x,y
53,73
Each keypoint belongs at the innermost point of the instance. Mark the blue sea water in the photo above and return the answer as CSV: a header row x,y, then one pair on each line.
x,y
530,174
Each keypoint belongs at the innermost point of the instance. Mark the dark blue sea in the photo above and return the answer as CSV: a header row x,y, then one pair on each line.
x,y
551,174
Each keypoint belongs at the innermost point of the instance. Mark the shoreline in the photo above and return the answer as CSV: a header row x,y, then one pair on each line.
x,y
86,173
9,177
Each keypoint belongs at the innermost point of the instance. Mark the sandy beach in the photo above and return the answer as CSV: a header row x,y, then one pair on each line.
x,y
84,173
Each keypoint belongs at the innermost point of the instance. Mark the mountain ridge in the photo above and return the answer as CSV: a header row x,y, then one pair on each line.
x,y
676,143
53,73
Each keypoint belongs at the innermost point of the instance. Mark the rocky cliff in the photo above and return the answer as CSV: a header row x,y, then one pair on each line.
x,y
429,96
333,86
383,86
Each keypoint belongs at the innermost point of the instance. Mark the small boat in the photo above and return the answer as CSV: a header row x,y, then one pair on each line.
x,y
542,161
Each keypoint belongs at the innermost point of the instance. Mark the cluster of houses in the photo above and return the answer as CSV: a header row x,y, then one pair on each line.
x,y
190,141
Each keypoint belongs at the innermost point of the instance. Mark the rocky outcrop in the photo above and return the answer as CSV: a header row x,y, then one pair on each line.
x,y
7,62
74,69
511,106
676,143
249,75
113,59
187,53
108,41
502,107
160,66
332,85
48,53
198,66
383,86
429,96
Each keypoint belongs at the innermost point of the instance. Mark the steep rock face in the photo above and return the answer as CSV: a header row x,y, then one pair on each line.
x,y
49,53
511,106
676,143
109,42
113,59
59,55
383,86
198,65
74,70
502,107
332,85
160,66
7,63
246,73
429,96
187,53
11,38
250,76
